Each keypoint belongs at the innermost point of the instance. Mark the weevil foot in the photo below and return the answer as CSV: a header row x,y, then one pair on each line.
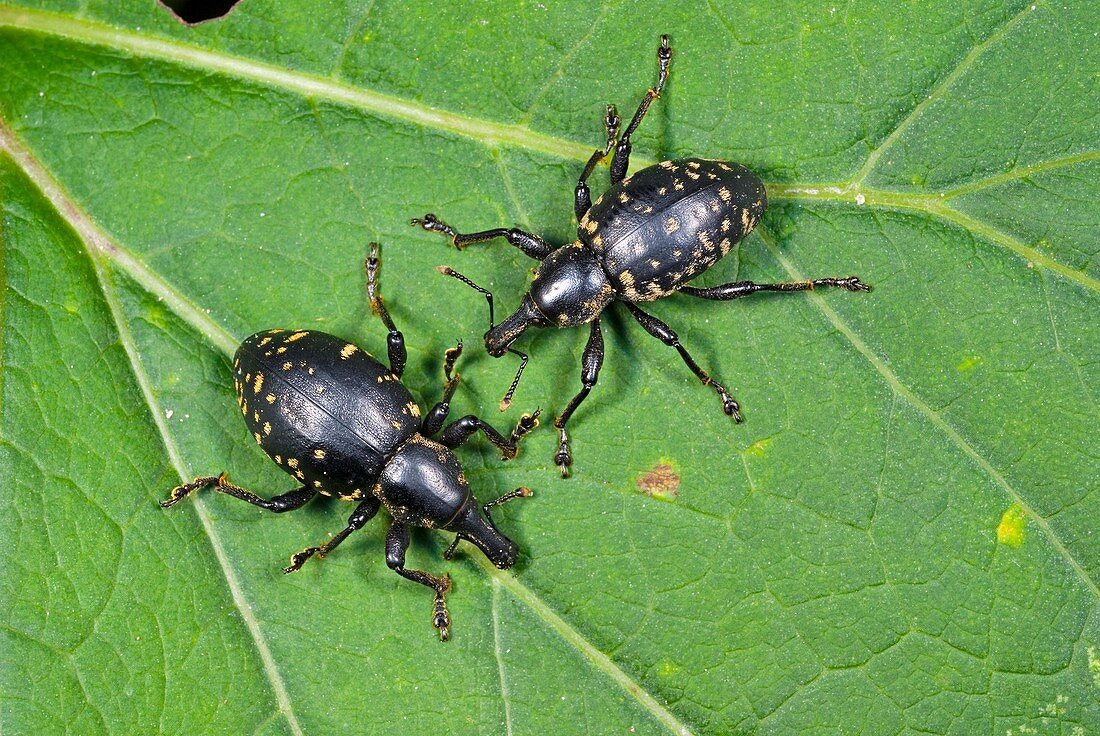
x,y
183,490
440,618
563,458
431,223
731,407
299,558
852,283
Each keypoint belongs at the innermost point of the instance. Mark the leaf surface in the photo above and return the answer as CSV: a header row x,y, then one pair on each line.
x,y
899,538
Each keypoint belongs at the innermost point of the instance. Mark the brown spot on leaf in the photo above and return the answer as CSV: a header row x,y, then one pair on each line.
x,y
661,481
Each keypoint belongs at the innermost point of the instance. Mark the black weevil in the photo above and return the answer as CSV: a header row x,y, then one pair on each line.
x,y
644,238
344,425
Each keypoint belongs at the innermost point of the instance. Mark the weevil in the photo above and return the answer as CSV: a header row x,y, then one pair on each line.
x,y
643,239
342,424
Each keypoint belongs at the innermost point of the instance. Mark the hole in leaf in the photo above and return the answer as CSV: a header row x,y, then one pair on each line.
x,y
197,11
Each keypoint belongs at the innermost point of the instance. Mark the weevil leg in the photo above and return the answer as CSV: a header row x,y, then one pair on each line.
x,y
665,334
738,289
621,160
532,245
506,401
395,341
435,418
283,502
582,197
363,513
591,361
521,492
460,430
397,543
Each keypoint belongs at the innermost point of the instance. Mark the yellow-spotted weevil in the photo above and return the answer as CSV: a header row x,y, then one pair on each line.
x,y
342,424
643,239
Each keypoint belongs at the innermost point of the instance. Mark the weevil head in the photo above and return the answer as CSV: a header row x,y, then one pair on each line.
x,y
472,525
570,288
501,336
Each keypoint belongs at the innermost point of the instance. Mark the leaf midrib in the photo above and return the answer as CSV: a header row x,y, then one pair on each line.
x,y
492,134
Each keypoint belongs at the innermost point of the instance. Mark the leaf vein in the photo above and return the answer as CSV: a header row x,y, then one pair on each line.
x,y
897,387
938,91
99,247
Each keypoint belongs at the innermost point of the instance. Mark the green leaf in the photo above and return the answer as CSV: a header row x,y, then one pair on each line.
x,y
899,538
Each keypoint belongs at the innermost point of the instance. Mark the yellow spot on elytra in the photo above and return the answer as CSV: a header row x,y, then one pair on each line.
x,y
296,336
281,350
287,366
258,383
265,341
255,416
347,350
759,448
257,436
319,454
292,462
270,398
671,225
267,427
279,459
969,364
1013,526
624,197
724,194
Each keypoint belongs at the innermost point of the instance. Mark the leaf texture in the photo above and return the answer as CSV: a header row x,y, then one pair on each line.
x,y
899,538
